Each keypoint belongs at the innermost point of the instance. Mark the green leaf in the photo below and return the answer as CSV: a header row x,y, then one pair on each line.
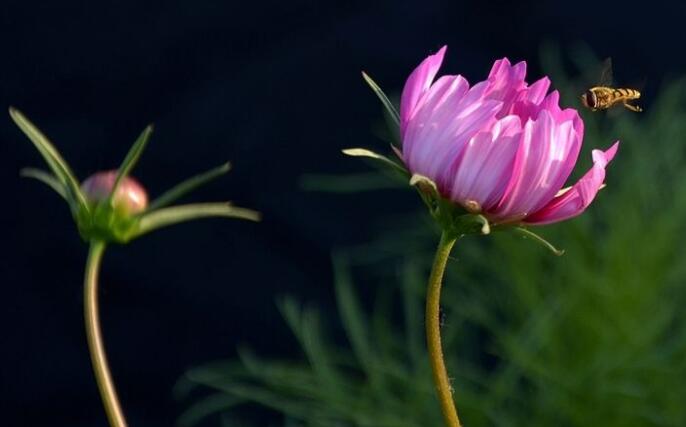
x,y
353,318
188,185
54,160
209,405
305,325
411,280
363,152
131,158
384,99
272,399
46,178
150,221
528,234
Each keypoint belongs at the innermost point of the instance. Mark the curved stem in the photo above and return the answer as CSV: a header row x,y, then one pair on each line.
x,y
433,331
115,416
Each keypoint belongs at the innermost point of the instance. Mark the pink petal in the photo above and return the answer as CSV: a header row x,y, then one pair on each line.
x,y
433,112
536,92
551,102
529,106
486,165
435,139
565,147
579,197
528,102
437,106
417,84
446,116
546,156
506,82
504,75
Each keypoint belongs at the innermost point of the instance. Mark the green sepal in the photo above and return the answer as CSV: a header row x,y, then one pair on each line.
x,y
363,152
149,221
46,178
188,185
392,111
426,188
63,173
452,218
106,223
131,159
454,221
528,234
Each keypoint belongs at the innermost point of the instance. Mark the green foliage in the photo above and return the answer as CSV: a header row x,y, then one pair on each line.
x,y
63,182
188,185
595,337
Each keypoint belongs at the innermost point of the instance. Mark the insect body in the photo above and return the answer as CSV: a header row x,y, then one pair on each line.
x,y
604,97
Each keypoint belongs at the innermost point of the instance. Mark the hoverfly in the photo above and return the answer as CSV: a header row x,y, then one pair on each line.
x,y
604,96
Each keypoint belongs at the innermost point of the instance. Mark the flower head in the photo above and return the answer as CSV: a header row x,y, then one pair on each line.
x,y
501,148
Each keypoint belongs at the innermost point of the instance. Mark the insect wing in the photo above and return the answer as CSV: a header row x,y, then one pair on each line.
x,y
606,73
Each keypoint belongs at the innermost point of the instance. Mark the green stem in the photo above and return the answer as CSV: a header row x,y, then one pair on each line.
x,y
433,331
115,416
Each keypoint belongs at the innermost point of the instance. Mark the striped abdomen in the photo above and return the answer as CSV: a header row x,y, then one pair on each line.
x,y
605,97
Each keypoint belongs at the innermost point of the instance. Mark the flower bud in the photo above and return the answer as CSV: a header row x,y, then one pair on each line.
x,y
129,199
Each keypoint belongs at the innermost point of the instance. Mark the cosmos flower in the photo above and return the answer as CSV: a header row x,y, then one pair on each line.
x,y
500,148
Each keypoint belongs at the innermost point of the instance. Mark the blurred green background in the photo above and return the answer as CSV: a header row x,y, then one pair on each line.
x,y
595,337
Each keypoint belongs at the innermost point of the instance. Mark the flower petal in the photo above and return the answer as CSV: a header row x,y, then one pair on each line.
x,y
564,152
438,132
417,84
506,82
528,102
547,153
574,201
486,165
436,109
536,92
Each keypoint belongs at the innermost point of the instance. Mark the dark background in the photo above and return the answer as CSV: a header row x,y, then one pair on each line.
x,y
273,87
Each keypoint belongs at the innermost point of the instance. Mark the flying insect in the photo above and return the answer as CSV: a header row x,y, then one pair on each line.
x,y
605,96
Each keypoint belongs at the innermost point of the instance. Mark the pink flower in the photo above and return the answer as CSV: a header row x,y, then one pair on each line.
x,y
501,148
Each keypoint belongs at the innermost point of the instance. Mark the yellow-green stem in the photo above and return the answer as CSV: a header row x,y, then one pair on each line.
x,y
115,416
433,332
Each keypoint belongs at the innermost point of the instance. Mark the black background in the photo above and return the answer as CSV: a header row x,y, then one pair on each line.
x,y
273,87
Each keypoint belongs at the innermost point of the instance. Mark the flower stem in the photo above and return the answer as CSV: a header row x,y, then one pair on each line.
x,y
433,331
115,416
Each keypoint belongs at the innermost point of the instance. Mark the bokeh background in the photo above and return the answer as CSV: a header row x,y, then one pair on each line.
x,y
275,87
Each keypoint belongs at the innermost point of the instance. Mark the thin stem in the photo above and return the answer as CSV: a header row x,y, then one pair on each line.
x,y
115,416
433,332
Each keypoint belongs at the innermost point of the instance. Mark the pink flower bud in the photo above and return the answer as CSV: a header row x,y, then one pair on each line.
x,y
130,198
